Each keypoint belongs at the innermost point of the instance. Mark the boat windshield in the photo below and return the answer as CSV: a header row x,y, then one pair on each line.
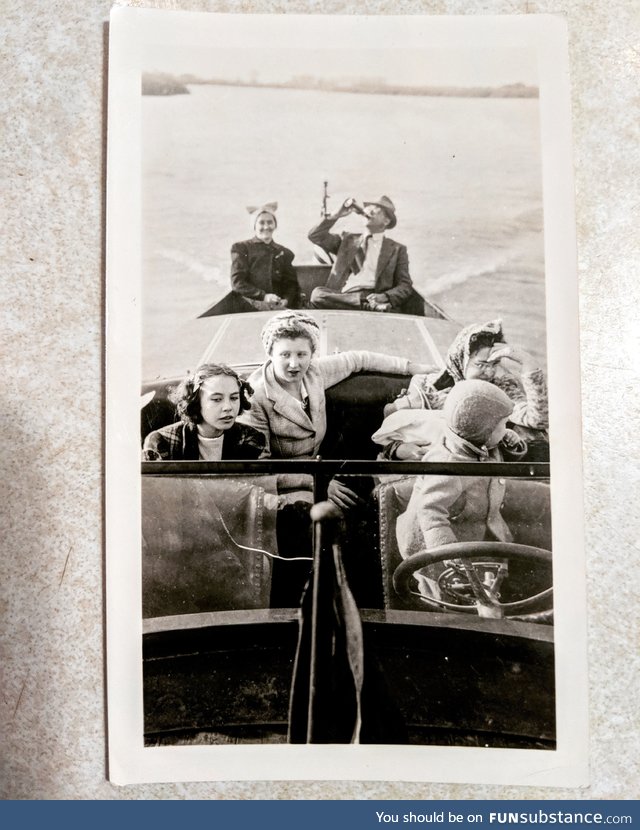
x,y
238,342
410,339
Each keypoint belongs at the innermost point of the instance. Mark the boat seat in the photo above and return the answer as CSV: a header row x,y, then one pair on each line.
x,y
158,412
192,533
311,276
526,510
355,410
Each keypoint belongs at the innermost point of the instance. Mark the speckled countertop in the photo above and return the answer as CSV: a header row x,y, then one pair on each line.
x,y
52,711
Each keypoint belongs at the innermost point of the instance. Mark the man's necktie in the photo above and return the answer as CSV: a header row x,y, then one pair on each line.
x,y
361,253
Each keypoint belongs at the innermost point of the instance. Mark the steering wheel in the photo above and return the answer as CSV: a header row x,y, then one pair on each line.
x,y
470,580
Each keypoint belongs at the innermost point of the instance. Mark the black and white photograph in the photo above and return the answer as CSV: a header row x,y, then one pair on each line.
x,y
343,423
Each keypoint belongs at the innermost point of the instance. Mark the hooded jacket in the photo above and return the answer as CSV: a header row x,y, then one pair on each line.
x,y
447,509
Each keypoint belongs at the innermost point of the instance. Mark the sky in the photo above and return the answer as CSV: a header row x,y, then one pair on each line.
x,y
430,67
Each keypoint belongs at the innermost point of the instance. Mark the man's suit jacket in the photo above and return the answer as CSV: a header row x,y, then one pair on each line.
x,y
392,272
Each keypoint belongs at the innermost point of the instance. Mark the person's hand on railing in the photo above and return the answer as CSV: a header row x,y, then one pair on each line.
x,y
343,496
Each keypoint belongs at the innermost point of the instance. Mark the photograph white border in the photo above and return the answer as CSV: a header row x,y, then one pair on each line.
x,y
129,760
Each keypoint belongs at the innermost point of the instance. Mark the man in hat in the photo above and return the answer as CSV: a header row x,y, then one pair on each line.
x,y
370,271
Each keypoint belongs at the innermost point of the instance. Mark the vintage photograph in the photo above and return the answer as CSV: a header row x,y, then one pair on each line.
x,y
340,365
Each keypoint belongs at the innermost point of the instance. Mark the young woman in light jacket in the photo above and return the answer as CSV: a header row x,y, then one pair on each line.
x,y
288,405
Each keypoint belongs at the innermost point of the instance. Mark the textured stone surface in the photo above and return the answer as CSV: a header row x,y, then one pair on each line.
x,y
51,572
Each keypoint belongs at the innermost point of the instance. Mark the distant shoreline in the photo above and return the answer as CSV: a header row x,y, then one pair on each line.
x,y
162,84
157,83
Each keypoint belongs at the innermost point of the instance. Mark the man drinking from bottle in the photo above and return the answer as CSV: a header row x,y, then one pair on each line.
x,y
371,271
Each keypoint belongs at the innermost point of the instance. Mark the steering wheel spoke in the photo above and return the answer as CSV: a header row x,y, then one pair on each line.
x,y
475,577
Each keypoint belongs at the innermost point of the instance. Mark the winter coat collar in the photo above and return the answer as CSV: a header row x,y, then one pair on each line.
x,y
466,451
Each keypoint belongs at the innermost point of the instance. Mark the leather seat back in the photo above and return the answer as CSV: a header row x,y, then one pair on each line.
x,y
195,535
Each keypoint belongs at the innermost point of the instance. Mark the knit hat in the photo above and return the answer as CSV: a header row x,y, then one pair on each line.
x,y
290,324
474,408
269,207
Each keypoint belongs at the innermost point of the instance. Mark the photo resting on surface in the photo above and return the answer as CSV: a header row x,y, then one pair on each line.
x,y
342,341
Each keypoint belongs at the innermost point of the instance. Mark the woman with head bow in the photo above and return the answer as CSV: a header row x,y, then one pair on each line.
x,y
262,271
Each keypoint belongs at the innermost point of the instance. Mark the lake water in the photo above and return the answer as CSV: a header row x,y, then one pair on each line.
x,y
464,174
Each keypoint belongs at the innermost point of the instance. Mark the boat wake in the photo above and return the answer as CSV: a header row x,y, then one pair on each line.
x,y
519,250
461,275
208,273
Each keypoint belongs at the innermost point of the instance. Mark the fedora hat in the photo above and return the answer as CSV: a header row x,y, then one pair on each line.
x,y
389,208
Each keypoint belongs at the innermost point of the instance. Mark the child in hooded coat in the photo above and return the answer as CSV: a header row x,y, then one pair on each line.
x,y
449,508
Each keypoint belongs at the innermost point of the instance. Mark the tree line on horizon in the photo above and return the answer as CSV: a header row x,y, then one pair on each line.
x,y
162,83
